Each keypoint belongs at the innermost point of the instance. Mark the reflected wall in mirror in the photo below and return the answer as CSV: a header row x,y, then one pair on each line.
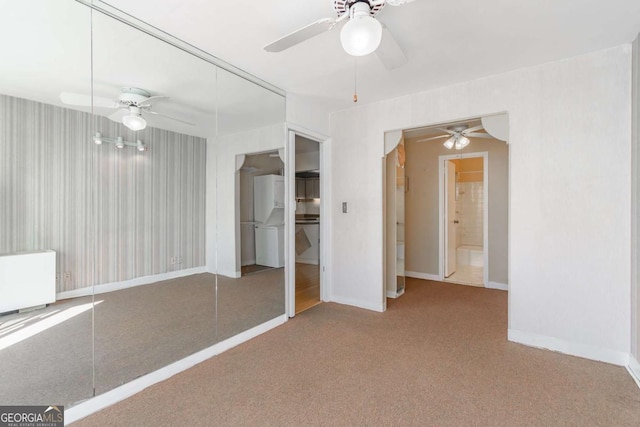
x,y
130,178
150,205
45,185
250,144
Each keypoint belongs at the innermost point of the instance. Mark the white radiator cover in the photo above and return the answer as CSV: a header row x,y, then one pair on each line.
x,y
27,279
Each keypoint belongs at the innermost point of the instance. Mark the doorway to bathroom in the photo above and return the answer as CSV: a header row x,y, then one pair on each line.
x,y
464,189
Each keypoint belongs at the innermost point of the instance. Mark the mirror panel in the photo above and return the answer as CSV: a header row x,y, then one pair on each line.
x,y
157,303
45,183
134,270
250,227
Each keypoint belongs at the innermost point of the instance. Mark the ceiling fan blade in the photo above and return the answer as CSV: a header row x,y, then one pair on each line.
x,y
169,117
389,52
81,99
449,131
153,99
304,33
433,137
471,129
398,2
478,135
117,115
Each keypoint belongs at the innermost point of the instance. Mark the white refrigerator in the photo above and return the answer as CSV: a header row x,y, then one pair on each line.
x,y
268,209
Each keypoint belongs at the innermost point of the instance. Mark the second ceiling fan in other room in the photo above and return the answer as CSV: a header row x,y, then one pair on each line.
x,y
458,136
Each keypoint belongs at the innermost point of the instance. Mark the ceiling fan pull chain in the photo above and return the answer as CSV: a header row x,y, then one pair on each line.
x,y
355,79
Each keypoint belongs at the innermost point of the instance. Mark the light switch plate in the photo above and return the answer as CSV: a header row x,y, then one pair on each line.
x,y
345,207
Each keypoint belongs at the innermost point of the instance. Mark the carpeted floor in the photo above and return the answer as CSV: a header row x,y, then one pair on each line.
x,y
438,356
138,330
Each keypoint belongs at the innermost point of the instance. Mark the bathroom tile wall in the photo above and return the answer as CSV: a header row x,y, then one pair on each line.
x,y
469,209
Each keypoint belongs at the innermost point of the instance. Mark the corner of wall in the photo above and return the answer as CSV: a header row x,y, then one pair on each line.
x,y
568,347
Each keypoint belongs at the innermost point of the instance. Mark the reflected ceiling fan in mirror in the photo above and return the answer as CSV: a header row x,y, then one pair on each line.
x,y
458,136
361,35
132,104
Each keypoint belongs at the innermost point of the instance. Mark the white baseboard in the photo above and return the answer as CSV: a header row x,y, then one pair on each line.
x,y
232,274
138,281
124,391
358,303
634,370
396,294
496,285
423,276
567,347
307,261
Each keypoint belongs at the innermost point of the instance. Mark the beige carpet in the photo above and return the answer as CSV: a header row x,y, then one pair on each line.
x,y
438,356
138,330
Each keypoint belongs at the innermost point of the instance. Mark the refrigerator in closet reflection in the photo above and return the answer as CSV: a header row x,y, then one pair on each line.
x,y
268,209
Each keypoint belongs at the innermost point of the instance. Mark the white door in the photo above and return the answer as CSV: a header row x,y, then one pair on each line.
x,y
450,219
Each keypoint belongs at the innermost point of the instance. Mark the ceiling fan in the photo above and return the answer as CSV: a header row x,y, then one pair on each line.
x,y
131,105
458,136
361,35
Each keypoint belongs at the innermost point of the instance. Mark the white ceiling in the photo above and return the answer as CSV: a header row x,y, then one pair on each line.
x,y
51,47
47,49
446,42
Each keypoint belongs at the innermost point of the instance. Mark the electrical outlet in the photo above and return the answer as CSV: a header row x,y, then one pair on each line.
x,y
57,279
173,260
179,260
67,277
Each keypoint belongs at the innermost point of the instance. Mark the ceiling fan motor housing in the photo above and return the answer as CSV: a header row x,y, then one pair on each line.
x,y
132,96
343,6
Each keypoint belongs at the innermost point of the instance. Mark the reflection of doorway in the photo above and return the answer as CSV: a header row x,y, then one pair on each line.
x,y
255,225
308,223
464,187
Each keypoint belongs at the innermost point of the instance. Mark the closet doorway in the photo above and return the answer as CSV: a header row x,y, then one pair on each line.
x,y
305,244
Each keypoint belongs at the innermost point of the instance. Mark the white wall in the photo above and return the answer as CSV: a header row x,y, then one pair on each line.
x,y
309,113
221,192
569,204
635,249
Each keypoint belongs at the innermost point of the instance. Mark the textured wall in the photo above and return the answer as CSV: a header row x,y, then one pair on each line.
x,y
635,221
129,212
570,192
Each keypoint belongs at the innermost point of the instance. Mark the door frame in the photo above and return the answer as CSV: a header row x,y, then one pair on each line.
x,y
485,209
290,215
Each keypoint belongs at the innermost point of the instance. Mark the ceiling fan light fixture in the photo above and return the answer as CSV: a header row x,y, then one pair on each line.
x,y
462,142
362,34
448,144
134,120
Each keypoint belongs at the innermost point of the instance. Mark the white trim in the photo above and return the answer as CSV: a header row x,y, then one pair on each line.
x,y
358,303
391,294
231,274
307,261
124,391
568,347
634,369
496,285
423,276
125,284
